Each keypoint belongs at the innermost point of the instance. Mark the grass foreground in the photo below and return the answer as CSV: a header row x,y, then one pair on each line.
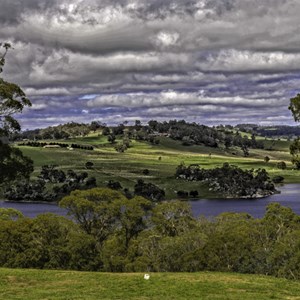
x,y
45,284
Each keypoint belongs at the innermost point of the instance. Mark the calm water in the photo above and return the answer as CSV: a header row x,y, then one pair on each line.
x,y
290,196
33,209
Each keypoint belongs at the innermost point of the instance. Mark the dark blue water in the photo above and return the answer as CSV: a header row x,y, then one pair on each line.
x,y
290,197
33,209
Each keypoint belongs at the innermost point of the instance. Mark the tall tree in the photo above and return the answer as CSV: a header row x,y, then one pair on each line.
x,y
12,100
295,146
295,107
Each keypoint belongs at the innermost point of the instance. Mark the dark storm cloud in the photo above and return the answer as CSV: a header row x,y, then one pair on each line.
x,y
202,60
12,11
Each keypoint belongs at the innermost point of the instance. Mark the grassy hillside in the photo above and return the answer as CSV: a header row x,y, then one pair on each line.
x,y
161,160
42,284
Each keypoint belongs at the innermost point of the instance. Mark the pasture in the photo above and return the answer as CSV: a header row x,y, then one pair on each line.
x,y
161,160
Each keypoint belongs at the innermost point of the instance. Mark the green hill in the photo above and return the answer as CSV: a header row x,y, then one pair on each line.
x,y
160,159
43,284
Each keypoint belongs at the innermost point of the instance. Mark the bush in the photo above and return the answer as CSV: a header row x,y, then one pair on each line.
x,y
281,165
146,172
182,194
89,165
194,194
114,185
278,179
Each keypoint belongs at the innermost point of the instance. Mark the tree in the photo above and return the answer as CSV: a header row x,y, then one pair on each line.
x,y
95,125
295,146
228,141
149,191
89,165
281,165
10,214
295,107
95,210
13,164
173,218
120,148
12,100
114,185
295,151
245,150
111,138
105,131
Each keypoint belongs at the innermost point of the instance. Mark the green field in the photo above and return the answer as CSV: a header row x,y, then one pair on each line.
x,y
43,284
161,160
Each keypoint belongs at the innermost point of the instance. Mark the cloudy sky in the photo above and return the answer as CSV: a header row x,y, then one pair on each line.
x,y
206,61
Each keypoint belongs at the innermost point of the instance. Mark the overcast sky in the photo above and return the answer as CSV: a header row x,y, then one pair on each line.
x,y
205,61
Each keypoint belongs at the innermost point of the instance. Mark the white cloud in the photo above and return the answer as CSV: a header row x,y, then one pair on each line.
x,y
233,58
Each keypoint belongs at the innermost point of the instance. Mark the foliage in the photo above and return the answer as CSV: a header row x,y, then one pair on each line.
x,y
13,164
281,165
89,165
149,191
295,107
230,180
295,152
120,148
52,184
195,134
12,100
114,185
278,179
108,232
10,214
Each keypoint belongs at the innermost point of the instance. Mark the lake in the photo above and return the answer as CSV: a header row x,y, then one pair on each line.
x,y
290,197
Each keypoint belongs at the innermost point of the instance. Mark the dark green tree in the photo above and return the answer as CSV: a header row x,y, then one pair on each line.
x,y
295,151
13,164
295,107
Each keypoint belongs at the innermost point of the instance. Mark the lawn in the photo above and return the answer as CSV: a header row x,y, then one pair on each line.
x,y
44,284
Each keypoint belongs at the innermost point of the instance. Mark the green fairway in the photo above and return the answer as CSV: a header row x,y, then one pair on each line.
x,y
42,284
161,160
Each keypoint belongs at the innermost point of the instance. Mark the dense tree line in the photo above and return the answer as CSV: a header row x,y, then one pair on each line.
x,y
42,144
52,184
230,180
63,145
274,131
64,131
111,233
279,131
195,134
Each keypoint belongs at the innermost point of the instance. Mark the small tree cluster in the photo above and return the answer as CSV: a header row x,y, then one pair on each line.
x,y
230,180
84,147
149,191
52,184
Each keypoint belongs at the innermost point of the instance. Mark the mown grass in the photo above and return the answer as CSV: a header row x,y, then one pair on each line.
x,y
161,160
44,284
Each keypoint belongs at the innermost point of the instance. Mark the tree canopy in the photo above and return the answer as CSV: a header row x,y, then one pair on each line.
x,y
295,107
12,100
